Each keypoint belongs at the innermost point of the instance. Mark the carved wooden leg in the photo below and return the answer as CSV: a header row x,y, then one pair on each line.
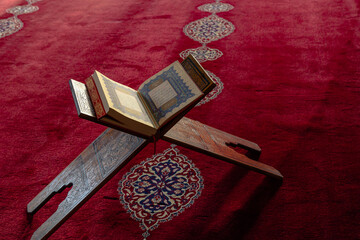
x,y
213,142
95,166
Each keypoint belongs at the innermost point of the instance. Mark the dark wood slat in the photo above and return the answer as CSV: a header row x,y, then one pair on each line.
x,y
213,142
94,167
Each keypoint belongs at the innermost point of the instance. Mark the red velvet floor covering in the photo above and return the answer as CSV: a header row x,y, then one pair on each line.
x,y
290,75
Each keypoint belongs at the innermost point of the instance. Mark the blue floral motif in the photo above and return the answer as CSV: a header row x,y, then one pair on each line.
x,y
202,54
216,7
13,24
9,26
161,187
208,29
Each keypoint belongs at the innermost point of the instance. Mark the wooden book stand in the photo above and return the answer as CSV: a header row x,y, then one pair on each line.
x,y
103,158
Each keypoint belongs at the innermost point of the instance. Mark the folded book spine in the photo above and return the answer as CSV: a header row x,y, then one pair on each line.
x,y
95,97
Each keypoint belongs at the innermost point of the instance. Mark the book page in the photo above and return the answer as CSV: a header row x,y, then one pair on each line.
x,y
125,100
128,101
162,94
168,92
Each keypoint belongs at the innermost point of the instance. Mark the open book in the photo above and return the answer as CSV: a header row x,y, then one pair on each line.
x,y
159,101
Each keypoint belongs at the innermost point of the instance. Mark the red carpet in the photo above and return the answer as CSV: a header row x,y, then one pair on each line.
x,y
290,71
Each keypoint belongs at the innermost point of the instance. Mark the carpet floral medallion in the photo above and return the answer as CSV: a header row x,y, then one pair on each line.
x,y
160,188
13,24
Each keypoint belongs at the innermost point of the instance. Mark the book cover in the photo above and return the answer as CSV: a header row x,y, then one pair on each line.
x,y
198,74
